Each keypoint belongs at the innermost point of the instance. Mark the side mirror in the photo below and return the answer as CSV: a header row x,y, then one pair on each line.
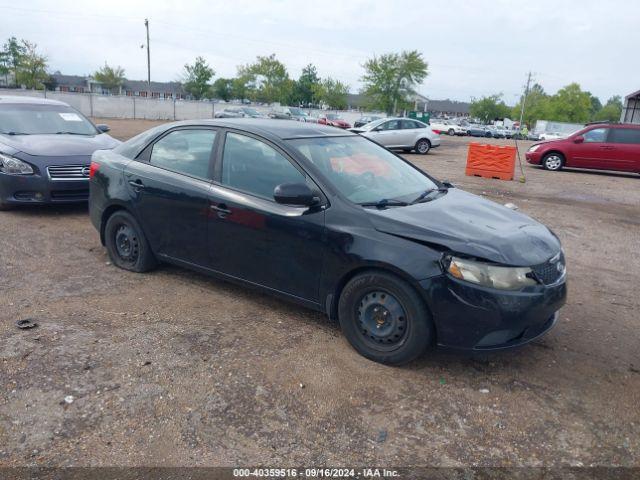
x,y
295,194
103,128
578,139
448,184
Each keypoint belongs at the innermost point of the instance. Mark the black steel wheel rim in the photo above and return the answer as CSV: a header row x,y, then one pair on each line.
x,y
381,320
127,244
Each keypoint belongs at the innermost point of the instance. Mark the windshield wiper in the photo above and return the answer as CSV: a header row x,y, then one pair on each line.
x,y
426,193
72,133
385,202
15,133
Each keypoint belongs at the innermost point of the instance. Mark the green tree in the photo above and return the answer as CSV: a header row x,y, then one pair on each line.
x,y
32,67
50,83
242,86
596,106
390,79
308,81
111,78
13,51
197,78
570,104
332,93
223,89
536,106
489,108
612,111
269,80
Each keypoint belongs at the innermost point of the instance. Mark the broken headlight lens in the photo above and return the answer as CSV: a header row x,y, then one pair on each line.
x,y
13,166
489,275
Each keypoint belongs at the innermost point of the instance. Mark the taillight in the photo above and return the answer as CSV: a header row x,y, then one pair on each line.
x,y
93,169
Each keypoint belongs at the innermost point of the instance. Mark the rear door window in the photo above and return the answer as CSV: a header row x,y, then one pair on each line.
x,y
391,125
185,151
409,125
625,135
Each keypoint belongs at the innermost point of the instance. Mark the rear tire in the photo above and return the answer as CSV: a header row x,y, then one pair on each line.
x,y
422,146
553,162
126,244
384,318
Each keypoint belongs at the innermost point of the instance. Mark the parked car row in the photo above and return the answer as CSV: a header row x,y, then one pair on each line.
x,y
447,127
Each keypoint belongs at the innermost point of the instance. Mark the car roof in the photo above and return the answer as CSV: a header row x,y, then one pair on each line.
x,y
282,129
611,125
15,99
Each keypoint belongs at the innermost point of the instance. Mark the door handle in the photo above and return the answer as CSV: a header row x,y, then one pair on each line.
x,y
137,184
606,147
221,209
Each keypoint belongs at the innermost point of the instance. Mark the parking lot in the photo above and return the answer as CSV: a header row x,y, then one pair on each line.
x,y
175,368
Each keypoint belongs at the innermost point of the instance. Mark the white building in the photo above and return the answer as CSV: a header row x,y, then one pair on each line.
x,y
631,110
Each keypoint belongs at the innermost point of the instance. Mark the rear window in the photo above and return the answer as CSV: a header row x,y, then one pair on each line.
x,y
132,147
625,135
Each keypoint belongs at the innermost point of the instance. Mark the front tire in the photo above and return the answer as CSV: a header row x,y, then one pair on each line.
x,y
553,162
126,244
384,319
422,146
451,132
4,207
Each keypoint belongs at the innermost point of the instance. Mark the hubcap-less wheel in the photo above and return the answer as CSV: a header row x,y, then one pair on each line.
x,y
382,321
127,245
553,162
422,147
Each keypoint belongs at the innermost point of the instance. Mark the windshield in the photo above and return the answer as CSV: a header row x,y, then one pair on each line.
x,y
297,111
251,111
363,171
30,119
333,116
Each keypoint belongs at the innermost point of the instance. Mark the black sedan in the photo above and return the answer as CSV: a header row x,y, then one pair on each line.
x,y
45,151
335,222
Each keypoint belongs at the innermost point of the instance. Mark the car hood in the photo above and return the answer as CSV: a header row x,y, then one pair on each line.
x,y
465,223
58,145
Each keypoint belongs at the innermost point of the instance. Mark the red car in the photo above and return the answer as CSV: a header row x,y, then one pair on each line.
x,y
334,120
601,146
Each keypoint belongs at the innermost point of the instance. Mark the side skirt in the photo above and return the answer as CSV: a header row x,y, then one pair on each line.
x,y
239,281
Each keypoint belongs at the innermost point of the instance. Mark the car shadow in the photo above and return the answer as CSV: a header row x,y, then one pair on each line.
x,y
47,210
604,173
435,359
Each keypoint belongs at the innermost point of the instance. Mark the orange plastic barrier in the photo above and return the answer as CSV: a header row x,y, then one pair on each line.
x,y
491,161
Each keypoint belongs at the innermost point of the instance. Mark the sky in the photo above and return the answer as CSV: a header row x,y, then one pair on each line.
x,y
473,48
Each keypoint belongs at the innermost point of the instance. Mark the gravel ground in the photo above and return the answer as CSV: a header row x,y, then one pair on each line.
x,y
172,368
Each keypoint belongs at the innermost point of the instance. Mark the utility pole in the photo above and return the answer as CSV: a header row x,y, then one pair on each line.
x,y
146,24
524,99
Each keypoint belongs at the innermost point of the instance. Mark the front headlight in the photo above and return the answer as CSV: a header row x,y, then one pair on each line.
x,y
533,148
489,275
13,166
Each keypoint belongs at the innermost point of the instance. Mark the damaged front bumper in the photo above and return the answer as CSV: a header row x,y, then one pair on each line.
x,y
472,317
